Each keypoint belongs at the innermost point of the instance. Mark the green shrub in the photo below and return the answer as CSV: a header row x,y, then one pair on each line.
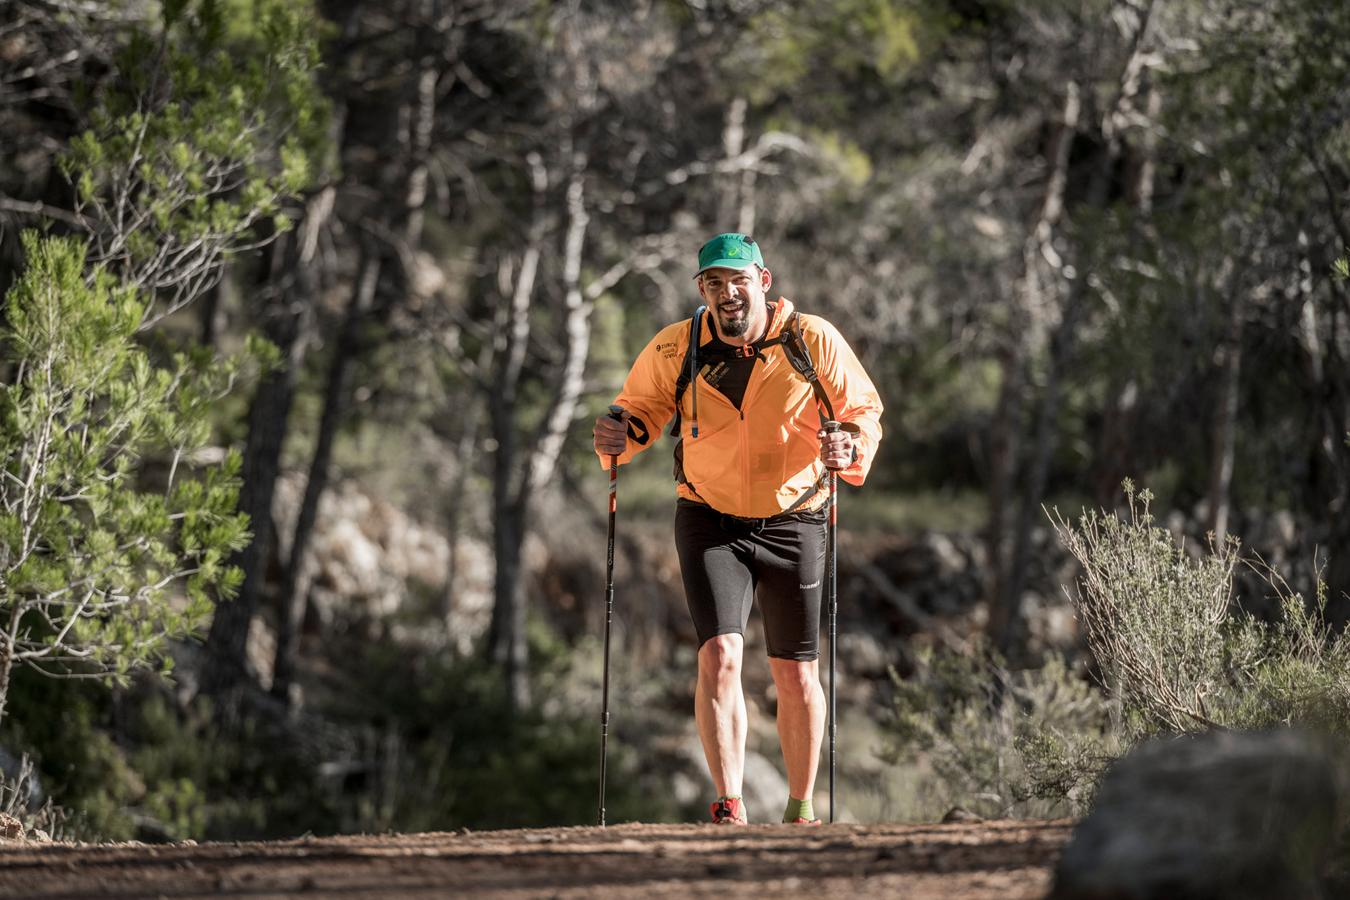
x,y
129,763
252,779
1179,653
1000,743
1175,653
1155,616
59,724
464,759
21,798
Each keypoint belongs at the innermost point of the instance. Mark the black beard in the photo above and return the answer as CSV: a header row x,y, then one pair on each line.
x,y
735,327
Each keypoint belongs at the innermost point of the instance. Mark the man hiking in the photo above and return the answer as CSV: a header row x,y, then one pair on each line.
x,y
751,384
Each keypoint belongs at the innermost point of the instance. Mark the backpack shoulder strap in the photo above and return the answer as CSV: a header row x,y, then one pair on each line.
x,y
799,355
687,369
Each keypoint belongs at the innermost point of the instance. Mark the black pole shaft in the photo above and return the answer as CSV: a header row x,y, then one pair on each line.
x,y
832,601
615,412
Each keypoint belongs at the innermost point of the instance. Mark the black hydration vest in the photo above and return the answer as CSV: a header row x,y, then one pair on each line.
x,y
797,353
794,348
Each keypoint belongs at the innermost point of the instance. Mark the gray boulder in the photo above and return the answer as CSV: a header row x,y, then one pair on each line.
x,y
1219,815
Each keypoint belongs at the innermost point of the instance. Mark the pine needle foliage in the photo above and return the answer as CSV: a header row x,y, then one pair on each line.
x,y
189,157
102,557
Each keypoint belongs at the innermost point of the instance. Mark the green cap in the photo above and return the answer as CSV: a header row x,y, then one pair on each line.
x,y
729,251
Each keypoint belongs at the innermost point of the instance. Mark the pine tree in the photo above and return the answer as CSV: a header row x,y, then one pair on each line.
x,y
103,557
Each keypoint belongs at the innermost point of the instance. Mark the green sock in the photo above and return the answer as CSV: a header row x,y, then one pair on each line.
x,y
798,809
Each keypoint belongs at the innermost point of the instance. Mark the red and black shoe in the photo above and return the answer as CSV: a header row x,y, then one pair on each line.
x,y
728,811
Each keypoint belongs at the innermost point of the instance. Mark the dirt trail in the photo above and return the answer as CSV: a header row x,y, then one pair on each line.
x,y
1003,860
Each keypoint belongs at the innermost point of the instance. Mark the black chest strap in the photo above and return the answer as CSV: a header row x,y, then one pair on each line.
x,y
794,348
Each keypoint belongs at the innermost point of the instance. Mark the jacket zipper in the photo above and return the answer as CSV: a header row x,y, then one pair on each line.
x,y
757,376
743,431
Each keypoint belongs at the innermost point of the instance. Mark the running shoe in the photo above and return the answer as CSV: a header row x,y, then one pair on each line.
x,y
728,811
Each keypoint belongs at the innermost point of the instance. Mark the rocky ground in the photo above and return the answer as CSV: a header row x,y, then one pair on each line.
x,y
961,861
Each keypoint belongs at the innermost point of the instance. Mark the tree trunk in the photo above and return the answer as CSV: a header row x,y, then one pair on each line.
x,y
1333,489
1004,429
1336,493
336,397
267,424
730,208
288,281
1224,426
506,635
1063,346
7,641
350,346
212,308
1029,312
1006,631
506,642
1143,161
549,441
1115,449
465,450
506,632
1049,283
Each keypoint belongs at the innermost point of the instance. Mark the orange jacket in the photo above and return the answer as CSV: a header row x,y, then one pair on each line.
x,y
755,461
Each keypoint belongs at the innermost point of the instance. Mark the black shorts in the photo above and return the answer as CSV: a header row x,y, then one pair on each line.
x,y
725,561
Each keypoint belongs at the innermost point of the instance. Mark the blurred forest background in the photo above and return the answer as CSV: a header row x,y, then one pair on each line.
x,y
309,306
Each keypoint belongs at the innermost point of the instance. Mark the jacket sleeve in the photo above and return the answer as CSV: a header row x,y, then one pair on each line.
x,y
649,391
849,388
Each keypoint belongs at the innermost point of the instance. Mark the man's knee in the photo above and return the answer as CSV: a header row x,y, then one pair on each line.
x,y
796,680
719,658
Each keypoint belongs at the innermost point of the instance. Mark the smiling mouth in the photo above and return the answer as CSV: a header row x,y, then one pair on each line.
x,y
732,307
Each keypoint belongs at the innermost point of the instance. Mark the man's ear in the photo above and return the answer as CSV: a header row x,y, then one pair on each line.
x,y
765,279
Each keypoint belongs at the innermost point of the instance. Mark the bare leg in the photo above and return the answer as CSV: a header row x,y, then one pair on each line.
x,y
719,710
801,721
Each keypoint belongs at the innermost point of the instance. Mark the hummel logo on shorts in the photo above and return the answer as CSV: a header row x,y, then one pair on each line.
x,y
807,587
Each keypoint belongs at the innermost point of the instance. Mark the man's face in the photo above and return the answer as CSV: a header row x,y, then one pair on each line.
x,y
737,297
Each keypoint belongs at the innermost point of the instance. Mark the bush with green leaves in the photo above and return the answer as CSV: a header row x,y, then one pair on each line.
x,y
1155,616
465,759
103,557
132,763
1174,653
998,742
22,799
1178,651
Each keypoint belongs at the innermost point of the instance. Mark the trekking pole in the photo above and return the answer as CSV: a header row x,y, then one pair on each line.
x,y
832,600
616,413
